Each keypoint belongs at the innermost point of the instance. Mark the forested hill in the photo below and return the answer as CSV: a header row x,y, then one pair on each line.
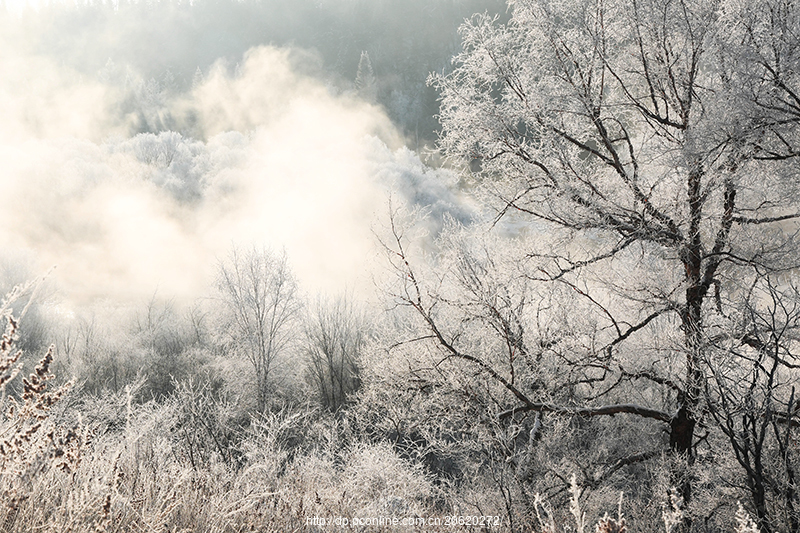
x,y
165,43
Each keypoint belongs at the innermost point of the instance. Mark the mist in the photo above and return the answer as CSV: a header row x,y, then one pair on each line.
x,y
130,179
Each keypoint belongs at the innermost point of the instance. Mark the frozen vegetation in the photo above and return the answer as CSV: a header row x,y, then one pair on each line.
x,y
400,265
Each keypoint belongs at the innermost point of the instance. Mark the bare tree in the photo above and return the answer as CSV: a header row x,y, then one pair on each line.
x,y
752,397
335,335
259,295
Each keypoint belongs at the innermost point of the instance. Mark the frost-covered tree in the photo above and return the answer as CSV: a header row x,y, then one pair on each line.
x,y
197,78
335,334
365,77
259,297
650,147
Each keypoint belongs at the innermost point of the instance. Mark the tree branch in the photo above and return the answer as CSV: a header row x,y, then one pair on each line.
x,y
606,410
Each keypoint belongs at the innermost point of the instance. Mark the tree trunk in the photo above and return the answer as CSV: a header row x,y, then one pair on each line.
x,y
683,424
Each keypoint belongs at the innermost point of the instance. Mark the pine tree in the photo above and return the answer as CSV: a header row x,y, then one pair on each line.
x,y
365,82
197,79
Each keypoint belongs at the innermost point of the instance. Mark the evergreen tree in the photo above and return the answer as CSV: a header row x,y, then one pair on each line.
x,y
365,82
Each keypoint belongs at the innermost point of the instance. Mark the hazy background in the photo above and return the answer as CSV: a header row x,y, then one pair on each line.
x,y
142,140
